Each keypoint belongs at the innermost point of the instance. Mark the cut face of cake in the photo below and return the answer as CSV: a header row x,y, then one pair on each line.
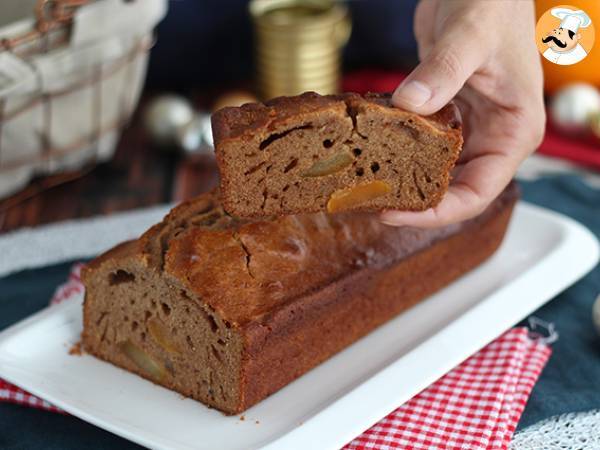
x,y
333,153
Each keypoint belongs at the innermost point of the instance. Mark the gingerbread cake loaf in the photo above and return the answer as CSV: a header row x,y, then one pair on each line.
x,y
333,153
227,311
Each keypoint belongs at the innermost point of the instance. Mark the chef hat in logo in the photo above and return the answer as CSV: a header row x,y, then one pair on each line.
x,y
571,19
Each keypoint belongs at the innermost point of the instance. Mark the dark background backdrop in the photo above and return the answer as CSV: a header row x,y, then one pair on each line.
x,y
208,43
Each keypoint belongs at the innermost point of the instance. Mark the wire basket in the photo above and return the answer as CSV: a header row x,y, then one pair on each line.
x,y
70,77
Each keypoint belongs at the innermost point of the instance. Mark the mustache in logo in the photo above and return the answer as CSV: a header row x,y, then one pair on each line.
x,y
555,40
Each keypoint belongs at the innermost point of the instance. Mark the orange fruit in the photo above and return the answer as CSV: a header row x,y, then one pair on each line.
x,y
586,71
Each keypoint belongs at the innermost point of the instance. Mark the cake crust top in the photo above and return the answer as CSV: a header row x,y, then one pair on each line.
x,y
246,269
236,122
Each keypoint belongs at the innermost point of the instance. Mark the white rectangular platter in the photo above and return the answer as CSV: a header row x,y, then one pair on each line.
x,y
542,254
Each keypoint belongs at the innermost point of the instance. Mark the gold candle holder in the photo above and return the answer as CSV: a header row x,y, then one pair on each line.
x,y
298,45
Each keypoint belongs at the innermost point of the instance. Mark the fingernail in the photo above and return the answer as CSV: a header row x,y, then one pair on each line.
x,y
390,218
414,93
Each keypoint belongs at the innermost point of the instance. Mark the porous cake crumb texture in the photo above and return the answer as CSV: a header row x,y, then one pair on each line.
x,y
302,154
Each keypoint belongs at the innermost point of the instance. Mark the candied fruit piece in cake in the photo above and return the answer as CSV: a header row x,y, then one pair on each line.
x,y
350,198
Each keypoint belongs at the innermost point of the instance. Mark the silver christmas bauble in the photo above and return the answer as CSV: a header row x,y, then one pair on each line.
x,y
195,137
573,106
165,115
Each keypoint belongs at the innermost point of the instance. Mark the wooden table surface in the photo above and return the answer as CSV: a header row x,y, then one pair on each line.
x,y
138,175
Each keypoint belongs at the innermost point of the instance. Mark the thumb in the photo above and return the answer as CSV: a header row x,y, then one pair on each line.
x,y
442,73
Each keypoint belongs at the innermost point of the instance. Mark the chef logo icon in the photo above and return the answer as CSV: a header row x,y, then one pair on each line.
x,y
565,35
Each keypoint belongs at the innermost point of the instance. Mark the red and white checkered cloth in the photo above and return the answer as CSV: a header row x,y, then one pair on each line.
x,y
476,406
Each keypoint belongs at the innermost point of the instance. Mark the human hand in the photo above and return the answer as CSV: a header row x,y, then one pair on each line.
x,y
484,53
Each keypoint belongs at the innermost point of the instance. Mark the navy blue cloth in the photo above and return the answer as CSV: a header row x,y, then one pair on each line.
x,y
569,382
571,379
